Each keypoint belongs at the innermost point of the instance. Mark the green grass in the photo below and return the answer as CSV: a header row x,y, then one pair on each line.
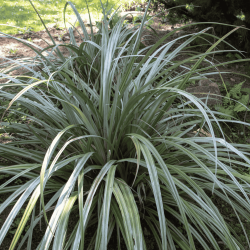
x,y
21,14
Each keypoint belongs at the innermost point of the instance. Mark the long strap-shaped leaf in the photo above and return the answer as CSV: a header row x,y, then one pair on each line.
x,y
59,52
86,36
157,193
27,189
62,201
120,226
21,93
126,221
106,206
80,201
130,215
38,218
34,185
46,161
77,237
62,227
94,187
91,195
134,214
147,148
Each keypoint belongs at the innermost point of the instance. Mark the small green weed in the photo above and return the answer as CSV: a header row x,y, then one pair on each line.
x,y
113,21
231,107
233,56
4,176
26,31
234,106
200,43
16,223
163,17
138,19
138,8
13,51
57,24
190,83
60,36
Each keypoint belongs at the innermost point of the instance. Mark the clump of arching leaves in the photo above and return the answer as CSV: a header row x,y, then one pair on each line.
x,y
105,136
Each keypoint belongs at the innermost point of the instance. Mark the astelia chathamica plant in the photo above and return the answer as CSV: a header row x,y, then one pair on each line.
x,y
105,136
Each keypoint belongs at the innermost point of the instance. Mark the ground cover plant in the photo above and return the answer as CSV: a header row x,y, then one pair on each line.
x,y
104,133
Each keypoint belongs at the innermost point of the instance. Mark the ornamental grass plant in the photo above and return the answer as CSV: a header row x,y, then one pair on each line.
x,y
104,133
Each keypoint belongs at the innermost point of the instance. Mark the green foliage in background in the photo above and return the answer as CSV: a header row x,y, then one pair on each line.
x,y
232,12
106,138
236,100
